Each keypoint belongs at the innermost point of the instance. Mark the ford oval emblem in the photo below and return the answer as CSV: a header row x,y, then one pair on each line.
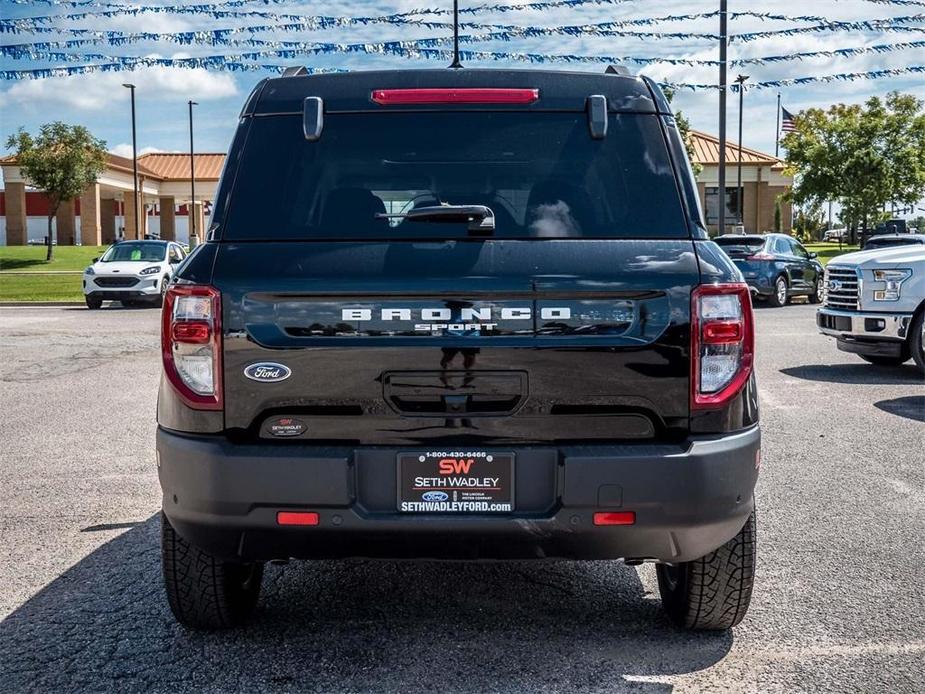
x,y
267,372
435,496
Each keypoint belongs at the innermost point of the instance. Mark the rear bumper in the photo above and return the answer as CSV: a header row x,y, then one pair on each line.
x,y
873,334
688,499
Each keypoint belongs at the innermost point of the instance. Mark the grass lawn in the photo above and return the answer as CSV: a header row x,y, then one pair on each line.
x,y
827,251
32,258
39,288
76,258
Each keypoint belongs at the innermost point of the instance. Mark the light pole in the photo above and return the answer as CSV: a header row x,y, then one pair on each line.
x,y
723,40
739,192
777,130
456,63
134,161
193,213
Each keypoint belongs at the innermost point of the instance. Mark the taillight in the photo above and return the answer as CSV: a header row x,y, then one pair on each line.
x,y
482,95
191,344
760,255
722,343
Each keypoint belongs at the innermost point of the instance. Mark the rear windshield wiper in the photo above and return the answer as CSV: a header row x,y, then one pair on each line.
x,y
479,218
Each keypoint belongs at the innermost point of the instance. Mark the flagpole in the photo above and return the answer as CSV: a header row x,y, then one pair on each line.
x,y
777,138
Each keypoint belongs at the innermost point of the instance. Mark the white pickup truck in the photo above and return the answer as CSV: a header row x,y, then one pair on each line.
x,y
874,304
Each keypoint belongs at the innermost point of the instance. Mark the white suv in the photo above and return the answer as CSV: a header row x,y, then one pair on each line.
x,y
133,272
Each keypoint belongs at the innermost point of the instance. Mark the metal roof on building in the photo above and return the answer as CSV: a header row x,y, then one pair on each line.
x,y
176,167
162,166
114,161
706,151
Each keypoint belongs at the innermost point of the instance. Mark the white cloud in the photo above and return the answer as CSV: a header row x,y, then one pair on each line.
x,y
98,91
124,149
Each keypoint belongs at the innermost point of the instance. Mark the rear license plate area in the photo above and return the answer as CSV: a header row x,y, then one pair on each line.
x,y
466,482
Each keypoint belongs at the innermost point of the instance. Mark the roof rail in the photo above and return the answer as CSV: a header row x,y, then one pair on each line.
x,y
294,71
617,70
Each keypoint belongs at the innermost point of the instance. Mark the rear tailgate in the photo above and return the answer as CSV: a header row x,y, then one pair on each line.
x,y
497,341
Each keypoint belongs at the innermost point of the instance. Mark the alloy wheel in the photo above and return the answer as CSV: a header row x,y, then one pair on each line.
x,y
781,290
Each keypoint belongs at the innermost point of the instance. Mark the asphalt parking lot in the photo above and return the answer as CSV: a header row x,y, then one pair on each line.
x,y
839,603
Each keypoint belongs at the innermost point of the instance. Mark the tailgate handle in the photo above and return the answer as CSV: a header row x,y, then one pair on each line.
x,y
442,393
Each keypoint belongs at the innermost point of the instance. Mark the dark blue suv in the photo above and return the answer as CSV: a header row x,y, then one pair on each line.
x,y
775,266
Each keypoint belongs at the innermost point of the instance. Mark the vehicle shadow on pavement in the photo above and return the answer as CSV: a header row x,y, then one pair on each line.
x,y
910,407
111,306
352,625
797,301
857,374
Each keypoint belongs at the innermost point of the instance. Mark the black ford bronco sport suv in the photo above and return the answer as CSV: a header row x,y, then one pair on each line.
x,y
458,314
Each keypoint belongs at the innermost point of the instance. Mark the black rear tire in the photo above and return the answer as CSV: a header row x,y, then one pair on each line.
x,y
160,299
713,592
202,591
778,295
94,304
917,340
886,361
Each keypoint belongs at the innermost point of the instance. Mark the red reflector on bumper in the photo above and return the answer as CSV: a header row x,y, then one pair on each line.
x,y
615,518
297,518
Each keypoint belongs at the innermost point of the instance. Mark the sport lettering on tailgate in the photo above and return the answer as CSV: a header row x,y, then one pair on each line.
x,y
612,317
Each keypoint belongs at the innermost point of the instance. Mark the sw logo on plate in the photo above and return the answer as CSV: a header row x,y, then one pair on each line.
x,y
267,372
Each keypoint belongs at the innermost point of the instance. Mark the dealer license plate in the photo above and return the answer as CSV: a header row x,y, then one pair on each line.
x,y
456,482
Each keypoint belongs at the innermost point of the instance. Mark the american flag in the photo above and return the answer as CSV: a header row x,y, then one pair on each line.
x,y
787,124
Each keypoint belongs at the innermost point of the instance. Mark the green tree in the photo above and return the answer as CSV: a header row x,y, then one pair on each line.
x,y
777,216
865,157
62,160
684,128
809,224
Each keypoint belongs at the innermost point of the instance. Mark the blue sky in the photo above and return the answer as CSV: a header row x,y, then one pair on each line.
x,y
99,102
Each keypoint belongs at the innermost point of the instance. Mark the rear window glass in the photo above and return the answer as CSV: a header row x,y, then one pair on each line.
x,y
741,246
541,174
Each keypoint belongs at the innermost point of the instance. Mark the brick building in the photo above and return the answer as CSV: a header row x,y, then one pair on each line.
x,y
164,191
763,182
106,207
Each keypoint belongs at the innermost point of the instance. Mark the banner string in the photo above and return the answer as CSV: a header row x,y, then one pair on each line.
x,y
25,24
412,48
466,10
430,48
41,73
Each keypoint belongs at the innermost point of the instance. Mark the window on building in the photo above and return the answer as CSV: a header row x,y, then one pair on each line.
x,y
732,204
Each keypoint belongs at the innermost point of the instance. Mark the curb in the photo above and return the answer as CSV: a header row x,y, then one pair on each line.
x,y
40,304
56,273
